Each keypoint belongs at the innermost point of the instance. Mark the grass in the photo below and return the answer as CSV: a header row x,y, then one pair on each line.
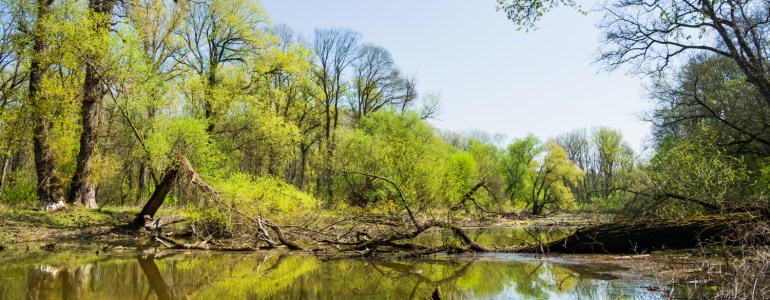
x,y
71,216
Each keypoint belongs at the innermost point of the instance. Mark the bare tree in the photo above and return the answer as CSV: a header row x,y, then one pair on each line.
x,y
334,50
710,93
410,94
653,34
377,82
216,34
430,106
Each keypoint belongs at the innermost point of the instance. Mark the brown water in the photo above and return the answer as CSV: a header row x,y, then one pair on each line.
x,y
277,275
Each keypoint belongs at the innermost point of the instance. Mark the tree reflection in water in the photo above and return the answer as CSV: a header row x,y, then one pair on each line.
x,y
274,275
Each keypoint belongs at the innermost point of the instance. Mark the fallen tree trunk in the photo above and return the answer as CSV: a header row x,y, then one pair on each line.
x,y
156,200
645,236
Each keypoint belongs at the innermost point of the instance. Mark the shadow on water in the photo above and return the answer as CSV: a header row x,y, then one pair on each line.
x,y
276,275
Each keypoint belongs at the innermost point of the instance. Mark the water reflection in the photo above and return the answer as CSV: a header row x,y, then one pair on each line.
x,y
282,276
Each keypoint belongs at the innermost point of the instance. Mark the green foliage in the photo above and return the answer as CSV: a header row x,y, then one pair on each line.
x,y
551,178
266,118
519,158
19,194
267,196
182,135
695,169
400,147
526,13
243,195
459,175
72,217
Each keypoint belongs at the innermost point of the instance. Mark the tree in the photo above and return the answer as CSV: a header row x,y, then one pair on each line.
x,y
296,101
614,159
400,147
219,34
49,188
82,189
154,24
335,50
377,82
551,178
12,81
516,164
579,150
653,34
710,92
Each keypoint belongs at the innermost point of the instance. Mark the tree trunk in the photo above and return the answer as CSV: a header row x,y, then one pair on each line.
x,y
49,185
156,200
303,149
142,182
640,237
82,189
4,172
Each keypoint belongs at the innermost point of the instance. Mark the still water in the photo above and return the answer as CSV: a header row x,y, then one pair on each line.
x,y
157,274
279,275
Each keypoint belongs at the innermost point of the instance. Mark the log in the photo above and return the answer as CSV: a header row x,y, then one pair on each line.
x,y
158,224
646,236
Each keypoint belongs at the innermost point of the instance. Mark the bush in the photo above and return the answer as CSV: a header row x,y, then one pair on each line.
x,y
244,199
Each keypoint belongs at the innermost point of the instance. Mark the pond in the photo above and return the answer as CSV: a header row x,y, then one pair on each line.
x,y
280,275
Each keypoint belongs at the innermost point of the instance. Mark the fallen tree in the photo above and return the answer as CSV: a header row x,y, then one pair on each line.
x,y
646,236
368,235
360,236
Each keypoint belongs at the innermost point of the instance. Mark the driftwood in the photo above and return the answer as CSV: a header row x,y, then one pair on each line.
x,y
158,224
645,236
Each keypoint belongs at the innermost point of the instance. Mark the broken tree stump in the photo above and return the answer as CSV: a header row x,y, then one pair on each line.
x,y
646,236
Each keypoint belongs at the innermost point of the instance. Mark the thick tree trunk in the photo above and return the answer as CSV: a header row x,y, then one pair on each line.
x,y
82,189
156,200
640,237
49,185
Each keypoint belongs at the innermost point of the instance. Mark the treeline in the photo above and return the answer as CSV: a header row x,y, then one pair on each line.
x,y
98,98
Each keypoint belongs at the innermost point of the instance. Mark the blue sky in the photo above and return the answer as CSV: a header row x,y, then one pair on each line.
x,y
490,76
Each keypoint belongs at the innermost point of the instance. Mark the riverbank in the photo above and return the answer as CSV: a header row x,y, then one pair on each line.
x,y
89,229
26,232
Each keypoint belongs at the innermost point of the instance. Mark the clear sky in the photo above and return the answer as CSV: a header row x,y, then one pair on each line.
x,y
490,76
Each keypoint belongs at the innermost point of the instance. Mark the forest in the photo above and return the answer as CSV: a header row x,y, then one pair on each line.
x,y
206,112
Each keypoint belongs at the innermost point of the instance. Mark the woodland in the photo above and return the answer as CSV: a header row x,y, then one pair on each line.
x,y
232,128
